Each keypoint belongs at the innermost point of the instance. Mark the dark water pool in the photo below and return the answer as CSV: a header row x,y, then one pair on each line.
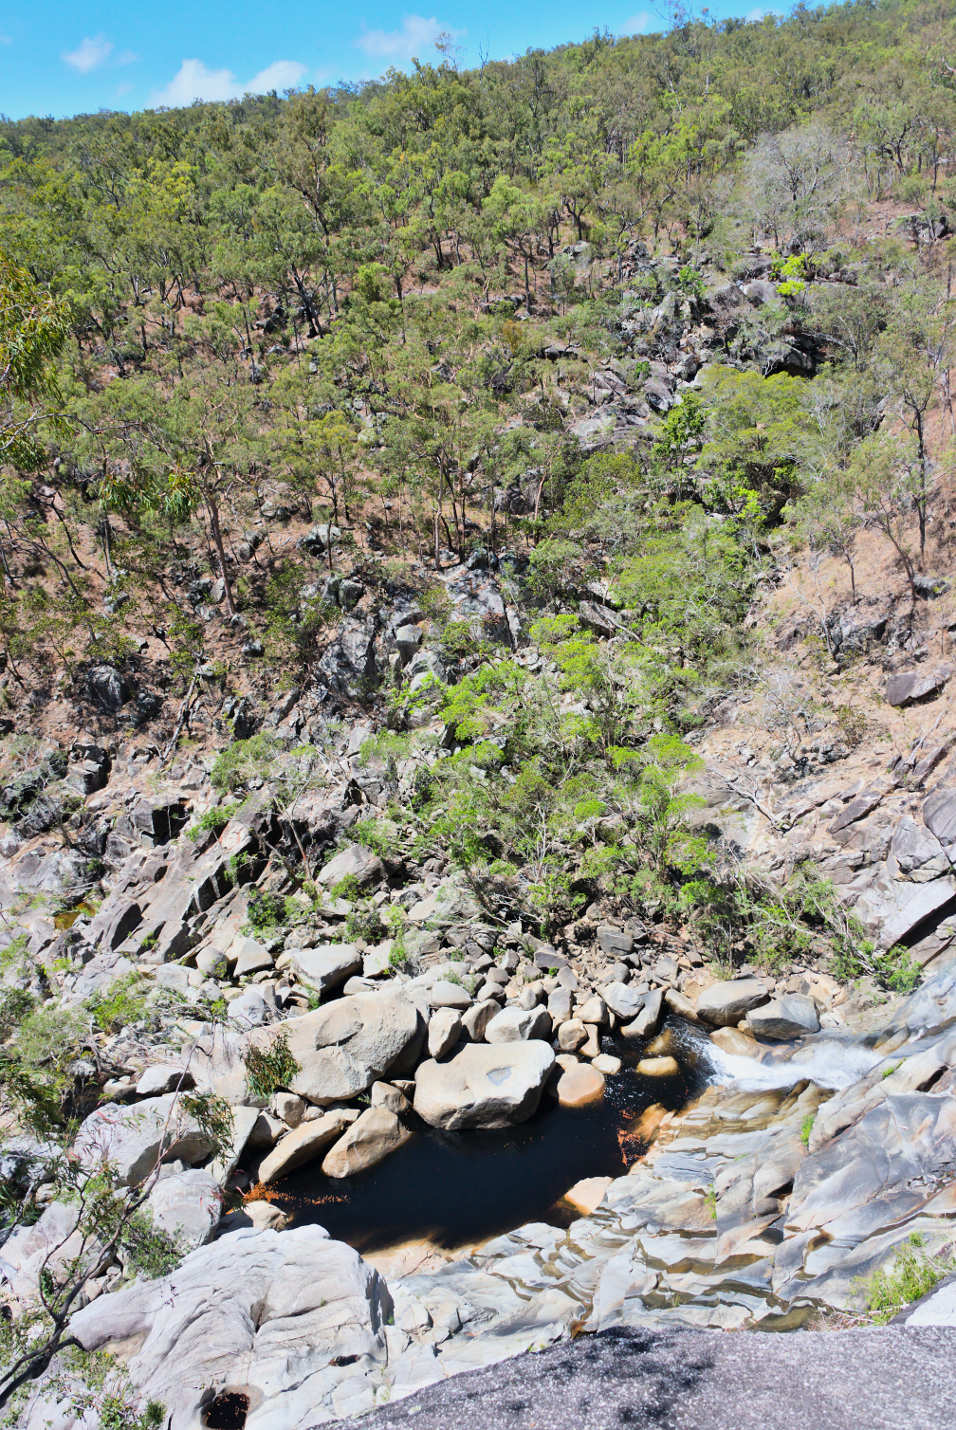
x,y
452,1188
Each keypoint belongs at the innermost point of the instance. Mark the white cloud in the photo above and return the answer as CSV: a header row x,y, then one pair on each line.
x,y
126,57
754,16
89,54
640,24
415,36
281,74
195,80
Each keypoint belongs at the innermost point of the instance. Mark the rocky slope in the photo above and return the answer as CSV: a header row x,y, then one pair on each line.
x,y
162,917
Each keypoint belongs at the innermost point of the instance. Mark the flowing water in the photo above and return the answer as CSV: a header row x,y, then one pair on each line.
x,y
455,1188
829,1061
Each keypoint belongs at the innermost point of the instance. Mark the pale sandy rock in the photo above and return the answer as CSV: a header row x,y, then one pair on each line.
x,y
305,1143
587,1195
369,1140
658,1067
580,1085
483,1085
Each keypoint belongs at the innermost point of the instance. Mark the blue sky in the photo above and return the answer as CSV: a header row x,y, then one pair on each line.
x,y
62,57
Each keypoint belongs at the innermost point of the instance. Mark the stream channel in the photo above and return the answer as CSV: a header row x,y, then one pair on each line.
x,y
456,1188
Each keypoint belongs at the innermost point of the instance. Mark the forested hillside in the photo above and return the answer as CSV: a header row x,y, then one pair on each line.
x,y
472,510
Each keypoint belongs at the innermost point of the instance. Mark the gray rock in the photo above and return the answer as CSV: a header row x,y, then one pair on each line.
x,y
369,1140
164,1077
483,1086
912,685
251,957
186,1206
343,1048
476,1019
355,862
444,1032
323,968
445,994
613,940
789,1016
572,1034
727,1002
624,1002
108,687
289,1108
133,1140
926,901
939,815
251,1009
304,1317
512,1025
648,1018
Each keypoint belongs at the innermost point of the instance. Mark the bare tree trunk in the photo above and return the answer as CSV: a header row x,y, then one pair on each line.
x,y
216,531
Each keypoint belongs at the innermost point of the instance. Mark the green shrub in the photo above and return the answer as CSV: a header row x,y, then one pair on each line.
x,y
119,1005
266,911
213,820
268,1069
913,1274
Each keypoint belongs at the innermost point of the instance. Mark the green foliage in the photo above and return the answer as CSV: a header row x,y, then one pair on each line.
x,y
806,1128
213,820
364,921
741,918
123,1003
213,1115
240,765
266,911
913,1274
270,1068
36,1072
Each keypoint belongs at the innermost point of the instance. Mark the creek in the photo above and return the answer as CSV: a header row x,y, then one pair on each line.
x,y
456,1188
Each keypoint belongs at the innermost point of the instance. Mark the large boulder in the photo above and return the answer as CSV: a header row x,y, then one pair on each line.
x,y
727,1002
514,1025
909,686
304,1143
355,862
323,968
625,1002
483,1085
186,1206
290,1319
368,1141
134,1140
790,1016
345,1047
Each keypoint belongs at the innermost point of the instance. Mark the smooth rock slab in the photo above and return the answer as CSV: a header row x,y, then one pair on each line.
x,y
290,1318
483,1085
368,1141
